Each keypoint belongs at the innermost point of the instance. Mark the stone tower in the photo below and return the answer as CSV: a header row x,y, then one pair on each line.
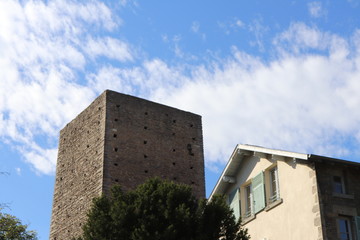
x,y
120,139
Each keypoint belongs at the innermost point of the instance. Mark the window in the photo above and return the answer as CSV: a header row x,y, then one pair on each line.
x,y
344,228
274,185
248,201
338,185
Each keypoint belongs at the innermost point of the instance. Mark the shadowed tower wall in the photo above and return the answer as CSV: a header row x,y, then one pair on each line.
x,y
120,139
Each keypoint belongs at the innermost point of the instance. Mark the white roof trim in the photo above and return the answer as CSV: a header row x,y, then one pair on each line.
x,y
237,156
270,151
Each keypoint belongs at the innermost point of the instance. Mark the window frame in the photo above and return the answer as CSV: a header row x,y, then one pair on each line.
x,y
248,201
274,194
340,184
348,223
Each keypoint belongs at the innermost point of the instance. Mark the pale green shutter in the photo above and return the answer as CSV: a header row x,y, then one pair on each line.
x,y
234,202
258,192
357,223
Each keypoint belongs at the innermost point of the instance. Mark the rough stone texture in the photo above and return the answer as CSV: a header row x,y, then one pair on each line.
x,y
120,139
332,205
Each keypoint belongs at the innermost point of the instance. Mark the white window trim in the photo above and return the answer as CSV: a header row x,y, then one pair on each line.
x,y
274,197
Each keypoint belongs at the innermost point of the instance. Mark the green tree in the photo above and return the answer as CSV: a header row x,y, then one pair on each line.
x,y
11,228
159,210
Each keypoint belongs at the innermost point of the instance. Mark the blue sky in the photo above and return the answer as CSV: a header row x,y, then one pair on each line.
x,y
280,74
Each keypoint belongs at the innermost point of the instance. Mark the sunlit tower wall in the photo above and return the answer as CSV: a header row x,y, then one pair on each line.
x,y
121,139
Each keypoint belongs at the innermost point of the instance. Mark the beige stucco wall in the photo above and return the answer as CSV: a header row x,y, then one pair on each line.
x,y
298,216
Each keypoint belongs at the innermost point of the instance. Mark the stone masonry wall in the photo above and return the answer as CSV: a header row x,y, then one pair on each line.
x,y
120,139
79,170
334,205
146,139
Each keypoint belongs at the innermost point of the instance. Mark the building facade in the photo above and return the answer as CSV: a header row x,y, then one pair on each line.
x,y
120,139
281,195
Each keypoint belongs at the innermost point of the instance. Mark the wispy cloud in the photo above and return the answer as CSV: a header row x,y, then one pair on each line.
x,y
304,99
298,101
316,9
195,28
259,30
41,56
231,26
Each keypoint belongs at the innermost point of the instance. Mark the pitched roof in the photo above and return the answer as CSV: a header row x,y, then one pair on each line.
x,y
236,158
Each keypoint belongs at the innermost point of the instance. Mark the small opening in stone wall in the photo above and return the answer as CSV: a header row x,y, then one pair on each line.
x,y
115,135
145,142
98,122
145,127
146,113
116,119
99,108
174,150
87,146
146,171
194,139
166,114
115,164
174,163
191,167
145,156
116,149
117,105
116,180
174,178
192,182
174,121
173,134
191,125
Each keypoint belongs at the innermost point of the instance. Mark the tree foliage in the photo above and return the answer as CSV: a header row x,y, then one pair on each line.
x,y
159,210
11,228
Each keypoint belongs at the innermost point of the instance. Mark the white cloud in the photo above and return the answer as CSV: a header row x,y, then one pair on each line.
x,y
316,9
41,59
305,99
302,102
232,26
195,26
110,48
259,30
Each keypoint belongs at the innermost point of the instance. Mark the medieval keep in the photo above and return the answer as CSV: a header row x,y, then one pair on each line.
x,y
120,139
